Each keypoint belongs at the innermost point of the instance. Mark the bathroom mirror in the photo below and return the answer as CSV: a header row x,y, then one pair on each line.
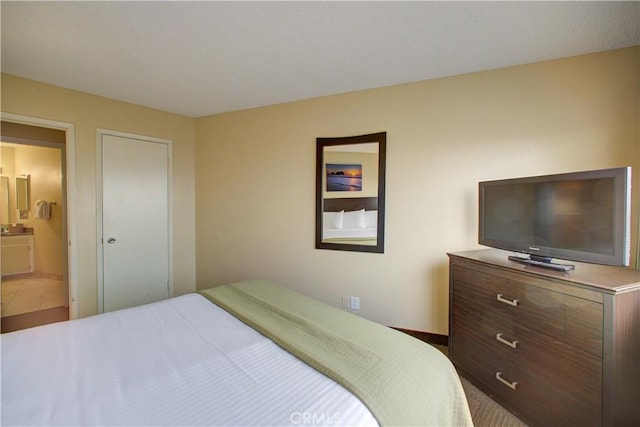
x,y
4,200
350,193
22,193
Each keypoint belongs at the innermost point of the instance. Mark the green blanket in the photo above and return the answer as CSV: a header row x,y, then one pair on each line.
x,y
402,380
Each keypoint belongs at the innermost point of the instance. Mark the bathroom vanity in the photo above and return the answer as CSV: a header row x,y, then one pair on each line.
x,y
17,253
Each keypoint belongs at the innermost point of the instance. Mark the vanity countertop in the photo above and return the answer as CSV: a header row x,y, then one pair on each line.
x,y
26,232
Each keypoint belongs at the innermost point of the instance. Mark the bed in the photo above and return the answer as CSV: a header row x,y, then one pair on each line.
x,y
243,354
350,220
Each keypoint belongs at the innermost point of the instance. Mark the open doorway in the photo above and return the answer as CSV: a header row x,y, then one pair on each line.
x,y
35,279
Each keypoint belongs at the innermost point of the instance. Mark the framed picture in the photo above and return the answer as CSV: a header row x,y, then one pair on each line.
x,y
344,177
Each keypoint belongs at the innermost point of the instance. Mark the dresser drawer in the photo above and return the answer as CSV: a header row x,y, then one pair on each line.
x,y
532,399
566,318
561,368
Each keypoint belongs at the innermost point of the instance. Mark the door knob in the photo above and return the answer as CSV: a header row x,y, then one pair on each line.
x,y
111,240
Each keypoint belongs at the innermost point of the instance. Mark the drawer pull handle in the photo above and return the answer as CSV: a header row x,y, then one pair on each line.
x,y
500,298
512,344
512,385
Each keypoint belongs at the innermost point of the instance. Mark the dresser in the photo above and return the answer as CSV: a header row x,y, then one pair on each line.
x,y
555,348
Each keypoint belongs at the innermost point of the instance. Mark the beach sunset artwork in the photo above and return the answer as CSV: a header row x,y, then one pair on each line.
x,y
344,177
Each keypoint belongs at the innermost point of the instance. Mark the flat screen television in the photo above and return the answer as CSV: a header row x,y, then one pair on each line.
x,y
579,216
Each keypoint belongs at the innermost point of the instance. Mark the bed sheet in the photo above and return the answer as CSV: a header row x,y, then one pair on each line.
x,y
340,233
182,361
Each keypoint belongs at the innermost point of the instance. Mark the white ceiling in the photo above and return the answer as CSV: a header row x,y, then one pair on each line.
x,y
202,58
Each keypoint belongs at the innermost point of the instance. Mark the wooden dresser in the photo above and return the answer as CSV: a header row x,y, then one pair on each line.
x,y
555,348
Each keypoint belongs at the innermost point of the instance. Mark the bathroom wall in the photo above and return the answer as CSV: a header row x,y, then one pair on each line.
x,y
44,165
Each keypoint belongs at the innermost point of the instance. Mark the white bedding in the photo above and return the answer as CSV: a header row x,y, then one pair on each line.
x,y
349,233
183,361
359,224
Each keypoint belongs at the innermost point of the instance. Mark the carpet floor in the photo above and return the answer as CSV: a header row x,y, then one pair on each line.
x,y
486,412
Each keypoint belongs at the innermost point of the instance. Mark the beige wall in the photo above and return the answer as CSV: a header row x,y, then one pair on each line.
x,y
88,113
254,220
255,173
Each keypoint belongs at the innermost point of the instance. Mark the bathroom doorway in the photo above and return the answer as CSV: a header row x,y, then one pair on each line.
x,y
34,282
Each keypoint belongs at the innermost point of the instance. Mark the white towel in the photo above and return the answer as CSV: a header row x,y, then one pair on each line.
x,y
42,209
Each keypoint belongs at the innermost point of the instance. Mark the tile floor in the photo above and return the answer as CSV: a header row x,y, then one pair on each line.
x,y
23,294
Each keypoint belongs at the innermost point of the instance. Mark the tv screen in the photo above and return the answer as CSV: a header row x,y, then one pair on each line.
x,y
579,216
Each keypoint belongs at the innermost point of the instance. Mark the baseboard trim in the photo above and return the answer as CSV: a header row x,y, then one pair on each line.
x,y
427,337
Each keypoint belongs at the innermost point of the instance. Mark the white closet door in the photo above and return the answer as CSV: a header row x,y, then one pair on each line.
x,y
135,222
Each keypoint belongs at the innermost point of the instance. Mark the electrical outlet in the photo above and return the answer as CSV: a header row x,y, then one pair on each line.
x,y
346,302
355,303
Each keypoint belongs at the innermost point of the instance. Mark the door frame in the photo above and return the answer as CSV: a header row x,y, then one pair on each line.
x,y
99,227
70,223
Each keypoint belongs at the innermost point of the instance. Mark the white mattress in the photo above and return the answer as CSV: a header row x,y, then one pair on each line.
x,y
182,361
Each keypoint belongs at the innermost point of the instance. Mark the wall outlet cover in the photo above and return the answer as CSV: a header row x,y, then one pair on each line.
x,y
346,302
